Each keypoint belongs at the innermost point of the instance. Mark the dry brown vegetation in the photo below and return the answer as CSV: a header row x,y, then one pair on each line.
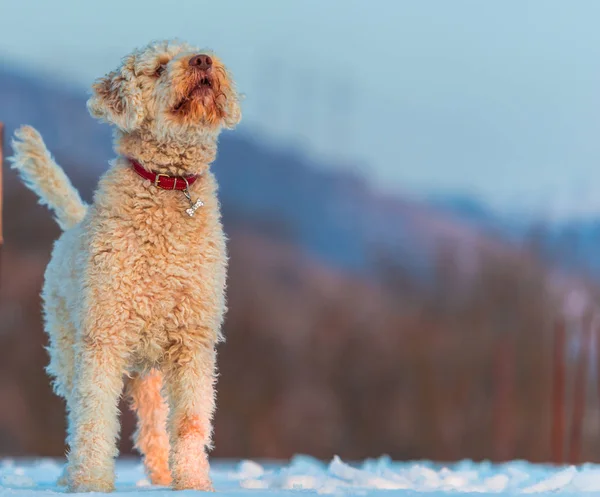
x,y
322,362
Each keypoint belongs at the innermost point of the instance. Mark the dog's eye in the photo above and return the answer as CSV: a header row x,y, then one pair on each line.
x,y
159,70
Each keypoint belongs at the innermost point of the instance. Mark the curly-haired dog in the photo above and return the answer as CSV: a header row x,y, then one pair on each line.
x,y
136,284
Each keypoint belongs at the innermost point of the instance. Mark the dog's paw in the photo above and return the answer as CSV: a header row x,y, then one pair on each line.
x,y
161,478
103,486
203,484
78,481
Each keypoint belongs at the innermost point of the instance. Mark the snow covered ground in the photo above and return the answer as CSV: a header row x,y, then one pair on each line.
x,y
306,475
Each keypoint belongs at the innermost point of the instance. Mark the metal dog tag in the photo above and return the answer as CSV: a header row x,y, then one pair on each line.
x,y
194,206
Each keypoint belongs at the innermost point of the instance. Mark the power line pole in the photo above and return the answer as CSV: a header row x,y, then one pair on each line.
x,y
1,167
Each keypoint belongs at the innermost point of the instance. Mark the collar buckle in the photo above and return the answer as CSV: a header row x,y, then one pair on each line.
x,y
157,181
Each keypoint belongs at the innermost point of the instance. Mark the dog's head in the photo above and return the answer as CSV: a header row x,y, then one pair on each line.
x,y
169,89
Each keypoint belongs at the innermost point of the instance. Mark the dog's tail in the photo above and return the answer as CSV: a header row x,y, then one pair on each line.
x,y
45,177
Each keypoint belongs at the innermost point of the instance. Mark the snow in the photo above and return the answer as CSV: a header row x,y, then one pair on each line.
x,y
305,475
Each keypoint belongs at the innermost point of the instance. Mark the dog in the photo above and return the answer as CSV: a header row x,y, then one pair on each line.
x,y
135,288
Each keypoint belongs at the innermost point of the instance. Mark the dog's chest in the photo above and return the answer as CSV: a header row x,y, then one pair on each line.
x,y
175,254
169,267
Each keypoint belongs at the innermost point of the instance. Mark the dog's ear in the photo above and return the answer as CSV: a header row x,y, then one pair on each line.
x,y
117,99
233,112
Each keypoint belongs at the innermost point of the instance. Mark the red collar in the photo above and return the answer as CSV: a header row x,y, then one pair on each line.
x,y
163,181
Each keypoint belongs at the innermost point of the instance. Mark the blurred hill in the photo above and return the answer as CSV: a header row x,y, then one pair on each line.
x,y
359,323
570,243
278,192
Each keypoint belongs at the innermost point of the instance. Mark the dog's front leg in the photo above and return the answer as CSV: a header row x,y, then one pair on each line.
x,y
191,382
93,416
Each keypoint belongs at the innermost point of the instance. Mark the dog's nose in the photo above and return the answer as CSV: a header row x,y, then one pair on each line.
x,y
201,61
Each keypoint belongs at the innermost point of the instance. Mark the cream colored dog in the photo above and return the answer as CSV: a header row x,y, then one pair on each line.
x,y
136,284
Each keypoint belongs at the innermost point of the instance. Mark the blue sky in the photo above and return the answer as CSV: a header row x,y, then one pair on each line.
x,y
498,98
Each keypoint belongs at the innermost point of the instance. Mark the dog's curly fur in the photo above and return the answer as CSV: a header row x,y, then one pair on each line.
x,y
135,288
